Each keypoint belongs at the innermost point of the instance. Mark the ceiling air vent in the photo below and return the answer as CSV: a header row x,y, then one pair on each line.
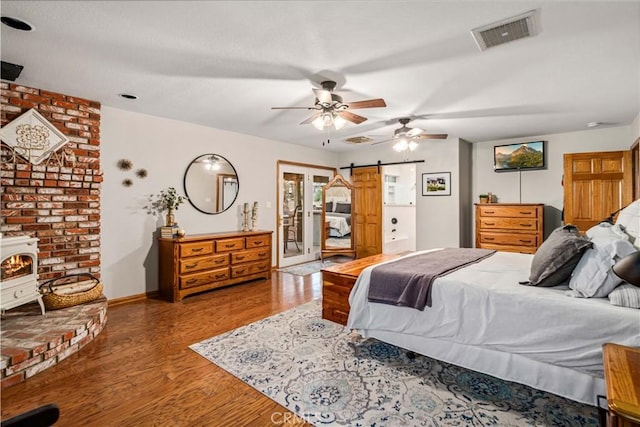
x,y
358,140
510,29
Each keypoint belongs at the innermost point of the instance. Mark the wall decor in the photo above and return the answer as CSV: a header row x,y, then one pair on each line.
x,y
436,184
141,173
32,137
124,164
127,182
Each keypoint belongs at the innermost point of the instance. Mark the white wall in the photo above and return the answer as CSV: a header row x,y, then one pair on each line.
x,y
542,186
165,148
635,128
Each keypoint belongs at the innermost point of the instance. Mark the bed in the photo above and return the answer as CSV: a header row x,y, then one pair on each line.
x,y
481,318
338,214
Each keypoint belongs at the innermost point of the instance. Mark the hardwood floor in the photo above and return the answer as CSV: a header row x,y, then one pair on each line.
x,y
139,371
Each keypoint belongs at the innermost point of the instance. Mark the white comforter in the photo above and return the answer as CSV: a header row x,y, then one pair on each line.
x,y
339,224
483,305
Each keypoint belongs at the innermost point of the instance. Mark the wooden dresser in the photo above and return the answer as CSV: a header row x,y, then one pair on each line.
x,y
337,282
622,378
202,262
510,227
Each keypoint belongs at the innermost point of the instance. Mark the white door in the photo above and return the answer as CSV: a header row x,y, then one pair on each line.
x,y
299,212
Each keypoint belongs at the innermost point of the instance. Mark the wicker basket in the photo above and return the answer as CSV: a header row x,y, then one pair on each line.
x,y
66,295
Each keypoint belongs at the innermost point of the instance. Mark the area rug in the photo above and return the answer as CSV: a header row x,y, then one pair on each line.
x,y
328,376
306,268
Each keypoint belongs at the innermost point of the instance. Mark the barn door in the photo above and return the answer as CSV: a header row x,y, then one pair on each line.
x,y
368,210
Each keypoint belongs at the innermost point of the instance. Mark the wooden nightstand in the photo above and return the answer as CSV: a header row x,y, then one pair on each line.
x,y
337,282
622,377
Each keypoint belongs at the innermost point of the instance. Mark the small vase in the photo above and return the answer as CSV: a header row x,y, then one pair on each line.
x,y
169,219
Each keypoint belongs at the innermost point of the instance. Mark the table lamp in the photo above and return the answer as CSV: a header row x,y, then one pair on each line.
x,y
628,268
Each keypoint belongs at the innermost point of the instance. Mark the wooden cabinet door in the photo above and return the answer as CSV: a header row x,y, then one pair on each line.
x,y
595,185
368,210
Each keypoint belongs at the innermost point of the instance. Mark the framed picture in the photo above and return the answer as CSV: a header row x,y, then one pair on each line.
x,y
436,184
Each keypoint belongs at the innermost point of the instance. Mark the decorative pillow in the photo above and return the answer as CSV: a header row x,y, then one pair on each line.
x,y
607,230
629,218
593,276
343,207
625,295
328,207
556,258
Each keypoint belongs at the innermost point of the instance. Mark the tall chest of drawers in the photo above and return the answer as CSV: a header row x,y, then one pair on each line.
x,y
516,227
202,262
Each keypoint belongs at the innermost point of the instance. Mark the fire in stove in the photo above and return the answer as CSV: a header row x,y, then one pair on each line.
x,y
16,266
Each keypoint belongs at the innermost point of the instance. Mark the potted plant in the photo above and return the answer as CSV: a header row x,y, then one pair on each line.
x,y
169,200
484,198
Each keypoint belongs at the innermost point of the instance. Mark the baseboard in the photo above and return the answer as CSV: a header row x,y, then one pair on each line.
x,y
133,298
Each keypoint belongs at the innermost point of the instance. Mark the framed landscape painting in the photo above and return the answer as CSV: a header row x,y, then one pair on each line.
x,y
436,184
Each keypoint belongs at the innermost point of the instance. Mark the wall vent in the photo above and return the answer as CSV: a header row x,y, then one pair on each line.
x,y
10,71
358,140
510,29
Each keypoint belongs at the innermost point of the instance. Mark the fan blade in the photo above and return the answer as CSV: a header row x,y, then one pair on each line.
x,y
292,108
432,136
324,96
353,118
414,132
311,118
382,142
369,103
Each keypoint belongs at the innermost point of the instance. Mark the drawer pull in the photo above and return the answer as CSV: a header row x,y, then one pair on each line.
x,y
489,212
526,213
490,223
196,249
489,238
257,242
229,245
191,266
240,271
219,276
240,257
219,261
525,241
526,225
190,281
262,255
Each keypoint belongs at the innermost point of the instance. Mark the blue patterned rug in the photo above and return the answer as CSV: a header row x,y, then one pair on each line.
x,y
328,376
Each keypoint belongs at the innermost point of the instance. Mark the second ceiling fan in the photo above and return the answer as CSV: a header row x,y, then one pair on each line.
x,y
331,110
406,138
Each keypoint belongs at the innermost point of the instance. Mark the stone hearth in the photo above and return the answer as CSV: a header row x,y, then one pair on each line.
x,y
31,342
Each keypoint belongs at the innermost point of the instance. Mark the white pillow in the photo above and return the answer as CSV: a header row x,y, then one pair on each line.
x,y
593,276
607,230
629,218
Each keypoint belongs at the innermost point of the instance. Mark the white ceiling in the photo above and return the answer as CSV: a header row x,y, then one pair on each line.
x,y
224,64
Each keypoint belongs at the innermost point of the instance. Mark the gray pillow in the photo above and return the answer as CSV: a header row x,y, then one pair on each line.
x,y
625,295
556,258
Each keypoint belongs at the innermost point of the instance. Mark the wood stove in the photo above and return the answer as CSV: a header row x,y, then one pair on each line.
x,y
19,272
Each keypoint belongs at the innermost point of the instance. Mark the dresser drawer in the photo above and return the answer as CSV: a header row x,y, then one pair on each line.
x,y
198,279
523,224
196,248
250,255
248,269
508,211
336,296
258,241
227,245
509,239
203,263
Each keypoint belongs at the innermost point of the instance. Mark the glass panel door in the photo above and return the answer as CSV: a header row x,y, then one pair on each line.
x,y
298,222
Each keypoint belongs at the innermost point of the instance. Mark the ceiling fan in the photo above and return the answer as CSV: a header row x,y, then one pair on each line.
x,y
406,137
331,110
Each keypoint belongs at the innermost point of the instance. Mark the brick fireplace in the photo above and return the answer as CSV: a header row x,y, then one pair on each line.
x,y
56,202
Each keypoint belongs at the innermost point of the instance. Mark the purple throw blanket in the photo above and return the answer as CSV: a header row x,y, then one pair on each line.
x,y
407,281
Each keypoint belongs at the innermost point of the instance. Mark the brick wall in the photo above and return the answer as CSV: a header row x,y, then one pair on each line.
x,y
56,201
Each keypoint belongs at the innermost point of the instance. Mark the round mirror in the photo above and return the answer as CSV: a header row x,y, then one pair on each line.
x,y
211,183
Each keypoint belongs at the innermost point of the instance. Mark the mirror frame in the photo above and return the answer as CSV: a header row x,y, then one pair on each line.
x,y
217,183
325,250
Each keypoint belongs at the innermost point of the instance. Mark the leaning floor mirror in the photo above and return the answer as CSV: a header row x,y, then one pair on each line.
x,y
337,219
